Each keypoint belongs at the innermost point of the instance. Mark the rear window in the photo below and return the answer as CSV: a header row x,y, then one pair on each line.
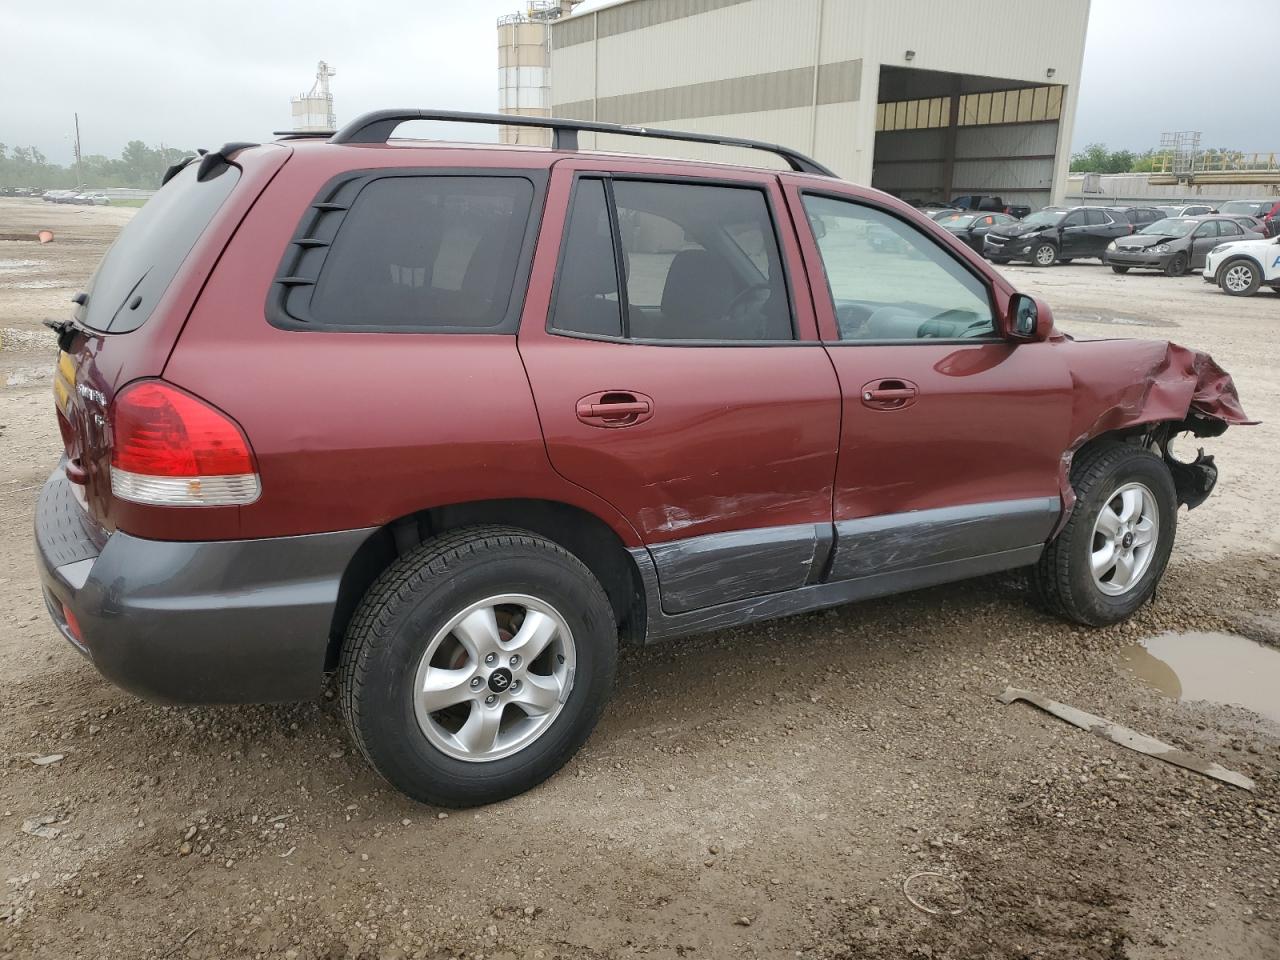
x,y
425,252
145,257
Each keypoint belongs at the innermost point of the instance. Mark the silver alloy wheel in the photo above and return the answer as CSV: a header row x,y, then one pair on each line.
x,y
1238,278
1046,254
1125,536
494,678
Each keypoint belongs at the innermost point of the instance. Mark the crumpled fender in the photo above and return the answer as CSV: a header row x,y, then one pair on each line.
x,y
1120,384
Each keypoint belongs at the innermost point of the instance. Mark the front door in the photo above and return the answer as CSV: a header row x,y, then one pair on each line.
x,y
951,439
679,377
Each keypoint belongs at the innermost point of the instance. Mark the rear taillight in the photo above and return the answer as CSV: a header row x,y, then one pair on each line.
x,y
172,449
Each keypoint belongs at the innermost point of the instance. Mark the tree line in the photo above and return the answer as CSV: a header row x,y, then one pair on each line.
x,y
137,166
1096,158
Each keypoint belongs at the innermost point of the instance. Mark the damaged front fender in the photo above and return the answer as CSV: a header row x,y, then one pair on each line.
x,y
1152,390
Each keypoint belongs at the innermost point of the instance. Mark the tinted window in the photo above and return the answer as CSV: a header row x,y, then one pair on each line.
x,y
586,296
891,282
427,252
701,263
1076,218
1228,228
1096,218
1209,229
146,255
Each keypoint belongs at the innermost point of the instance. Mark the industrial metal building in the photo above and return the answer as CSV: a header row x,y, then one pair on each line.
x,y
922,98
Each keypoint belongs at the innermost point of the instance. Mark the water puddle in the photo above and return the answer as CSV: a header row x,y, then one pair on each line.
x,y
1136,320
1218,667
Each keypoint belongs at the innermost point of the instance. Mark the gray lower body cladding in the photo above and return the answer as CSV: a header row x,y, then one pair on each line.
x,y
227,621
870,557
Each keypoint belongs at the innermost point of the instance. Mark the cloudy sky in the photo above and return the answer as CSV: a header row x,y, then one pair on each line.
x,y
200,74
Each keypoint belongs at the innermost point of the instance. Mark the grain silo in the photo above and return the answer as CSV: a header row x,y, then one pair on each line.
x,y
524,67
313,111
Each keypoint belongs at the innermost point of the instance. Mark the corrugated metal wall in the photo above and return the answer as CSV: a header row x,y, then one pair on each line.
x,y
747,67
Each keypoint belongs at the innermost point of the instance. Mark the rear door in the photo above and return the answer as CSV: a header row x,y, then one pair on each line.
x,y
1208,235
678,375
951,437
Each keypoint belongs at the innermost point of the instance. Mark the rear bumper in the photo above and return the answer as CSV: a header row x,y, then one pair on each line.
x,y
229,621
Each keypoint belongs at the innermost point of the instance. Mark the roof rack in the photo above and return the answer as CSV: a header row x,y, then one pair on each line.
x,y
378,126
303,134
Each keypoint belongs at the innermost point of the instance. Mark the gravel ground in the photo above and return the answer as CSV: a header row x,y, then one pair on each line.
x,y
760,792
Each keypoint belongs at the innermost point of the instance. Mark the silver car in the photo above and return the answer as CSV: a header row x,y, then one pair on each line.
x,y
1174,245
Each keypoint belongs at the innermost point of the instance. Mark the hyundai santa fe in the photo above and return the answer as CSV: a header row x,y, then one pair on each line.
x,y
453,421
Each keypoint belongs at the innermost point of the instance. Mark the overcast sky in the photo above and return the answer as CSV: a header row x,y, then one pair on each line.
x,y
199,74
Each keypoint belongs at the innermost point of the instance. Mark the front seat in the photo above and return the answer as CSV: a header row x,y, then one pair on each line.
x,y
696,297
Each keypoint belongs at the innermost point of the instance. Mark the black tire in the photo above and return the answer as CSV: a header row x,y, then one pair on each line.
x,y
1119,269
1247,270
1062,580
1041,258
411,602
1177,265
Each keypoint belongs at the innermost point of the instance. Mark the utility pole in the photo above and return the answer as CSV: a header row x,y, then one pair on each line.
x,y
79,172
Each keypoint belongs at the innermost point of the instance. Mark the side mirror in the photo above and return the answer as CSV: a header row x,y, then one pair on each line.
x,y
1029,319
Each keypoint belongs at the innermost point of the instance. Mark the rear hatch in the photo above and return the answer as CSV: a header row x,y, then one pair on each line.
x,y
128,318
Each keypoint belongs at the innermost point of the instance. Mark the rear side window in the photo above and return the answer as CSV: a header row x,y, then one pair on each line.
x,y
694,261
423,252
147,254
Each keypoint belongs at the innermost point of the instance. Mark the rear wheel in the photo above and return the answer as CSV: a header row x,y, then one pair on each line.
x,y
1239,278
1044,255
1177,265
1112,552
1119,269
477,664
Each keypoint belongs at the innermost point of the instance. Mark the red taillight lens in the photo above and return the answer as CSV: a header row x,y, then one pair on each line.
x,y
172,448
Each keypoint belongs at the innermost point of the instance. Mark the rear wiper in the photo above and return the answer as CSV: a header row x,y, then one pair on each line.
x,y
68,328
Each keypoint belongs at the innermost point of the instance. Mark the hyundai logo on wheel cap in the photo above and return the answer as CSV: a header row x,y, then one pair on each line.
x,y
500,680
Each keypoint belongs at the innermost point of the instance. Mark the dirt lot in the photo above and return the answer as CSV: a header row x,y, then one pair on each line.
x,y
762,792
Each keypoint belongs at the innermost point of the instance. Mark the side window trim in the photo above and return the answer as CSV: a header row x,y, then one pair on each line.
x,y
609,177
831,297
303,260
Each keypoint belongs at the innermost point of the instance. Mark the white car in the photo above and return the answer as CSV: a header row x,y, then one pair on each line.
x,y
1242,266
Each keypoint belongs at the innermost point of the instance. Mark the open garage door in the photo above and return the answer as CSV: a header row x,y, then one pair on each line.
x,y
941,135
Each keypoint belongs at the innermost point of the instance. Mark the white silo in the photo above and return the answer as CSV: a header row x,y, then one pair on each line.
x,y
524,67
313,111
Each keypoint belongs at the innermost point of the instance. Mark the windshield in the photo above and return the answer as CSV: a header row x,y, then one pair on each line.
x,y
1044,218
146,255
957,220
1248,207
1170,227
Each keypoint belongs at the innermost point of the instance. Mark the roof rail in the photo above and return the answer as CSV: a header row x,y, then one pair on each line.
x,y
378,126
303,134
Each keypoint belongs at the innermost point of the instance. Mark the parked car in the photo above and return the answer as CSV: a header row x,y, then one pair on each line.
x,y
398,410
1185,209
1139,216
1270,217
989,203
1174,245
971,228
1251,224
57,196
1241,267
1249,208
1051,236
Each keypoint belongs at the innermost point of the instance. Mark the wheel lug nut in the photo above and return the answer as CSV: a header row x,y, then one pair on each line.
x,y
515,660
476,682
491,659
515,686
491,699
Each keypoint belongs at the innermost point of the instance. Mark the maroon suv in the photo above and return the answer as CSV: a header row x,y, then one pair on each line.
x,y
450,420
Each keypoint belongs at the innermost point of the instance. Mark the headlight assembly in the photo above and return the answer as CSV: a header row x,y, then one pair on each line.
x,y
1160,248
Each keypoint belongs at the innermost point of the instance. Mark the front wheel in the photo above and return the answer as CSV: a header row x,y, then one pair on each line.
x,y
1177,265
1112,552
1119,269
1045,255
1239,279
477,664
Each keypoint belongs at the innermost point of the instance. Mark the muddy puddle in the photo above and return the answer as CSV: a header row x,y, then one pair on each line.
x,y
1218,667
1134,320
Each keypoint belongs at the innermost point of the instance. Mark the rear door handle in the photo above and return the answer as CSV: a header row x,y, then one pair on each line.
x,y
614,408
889,394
